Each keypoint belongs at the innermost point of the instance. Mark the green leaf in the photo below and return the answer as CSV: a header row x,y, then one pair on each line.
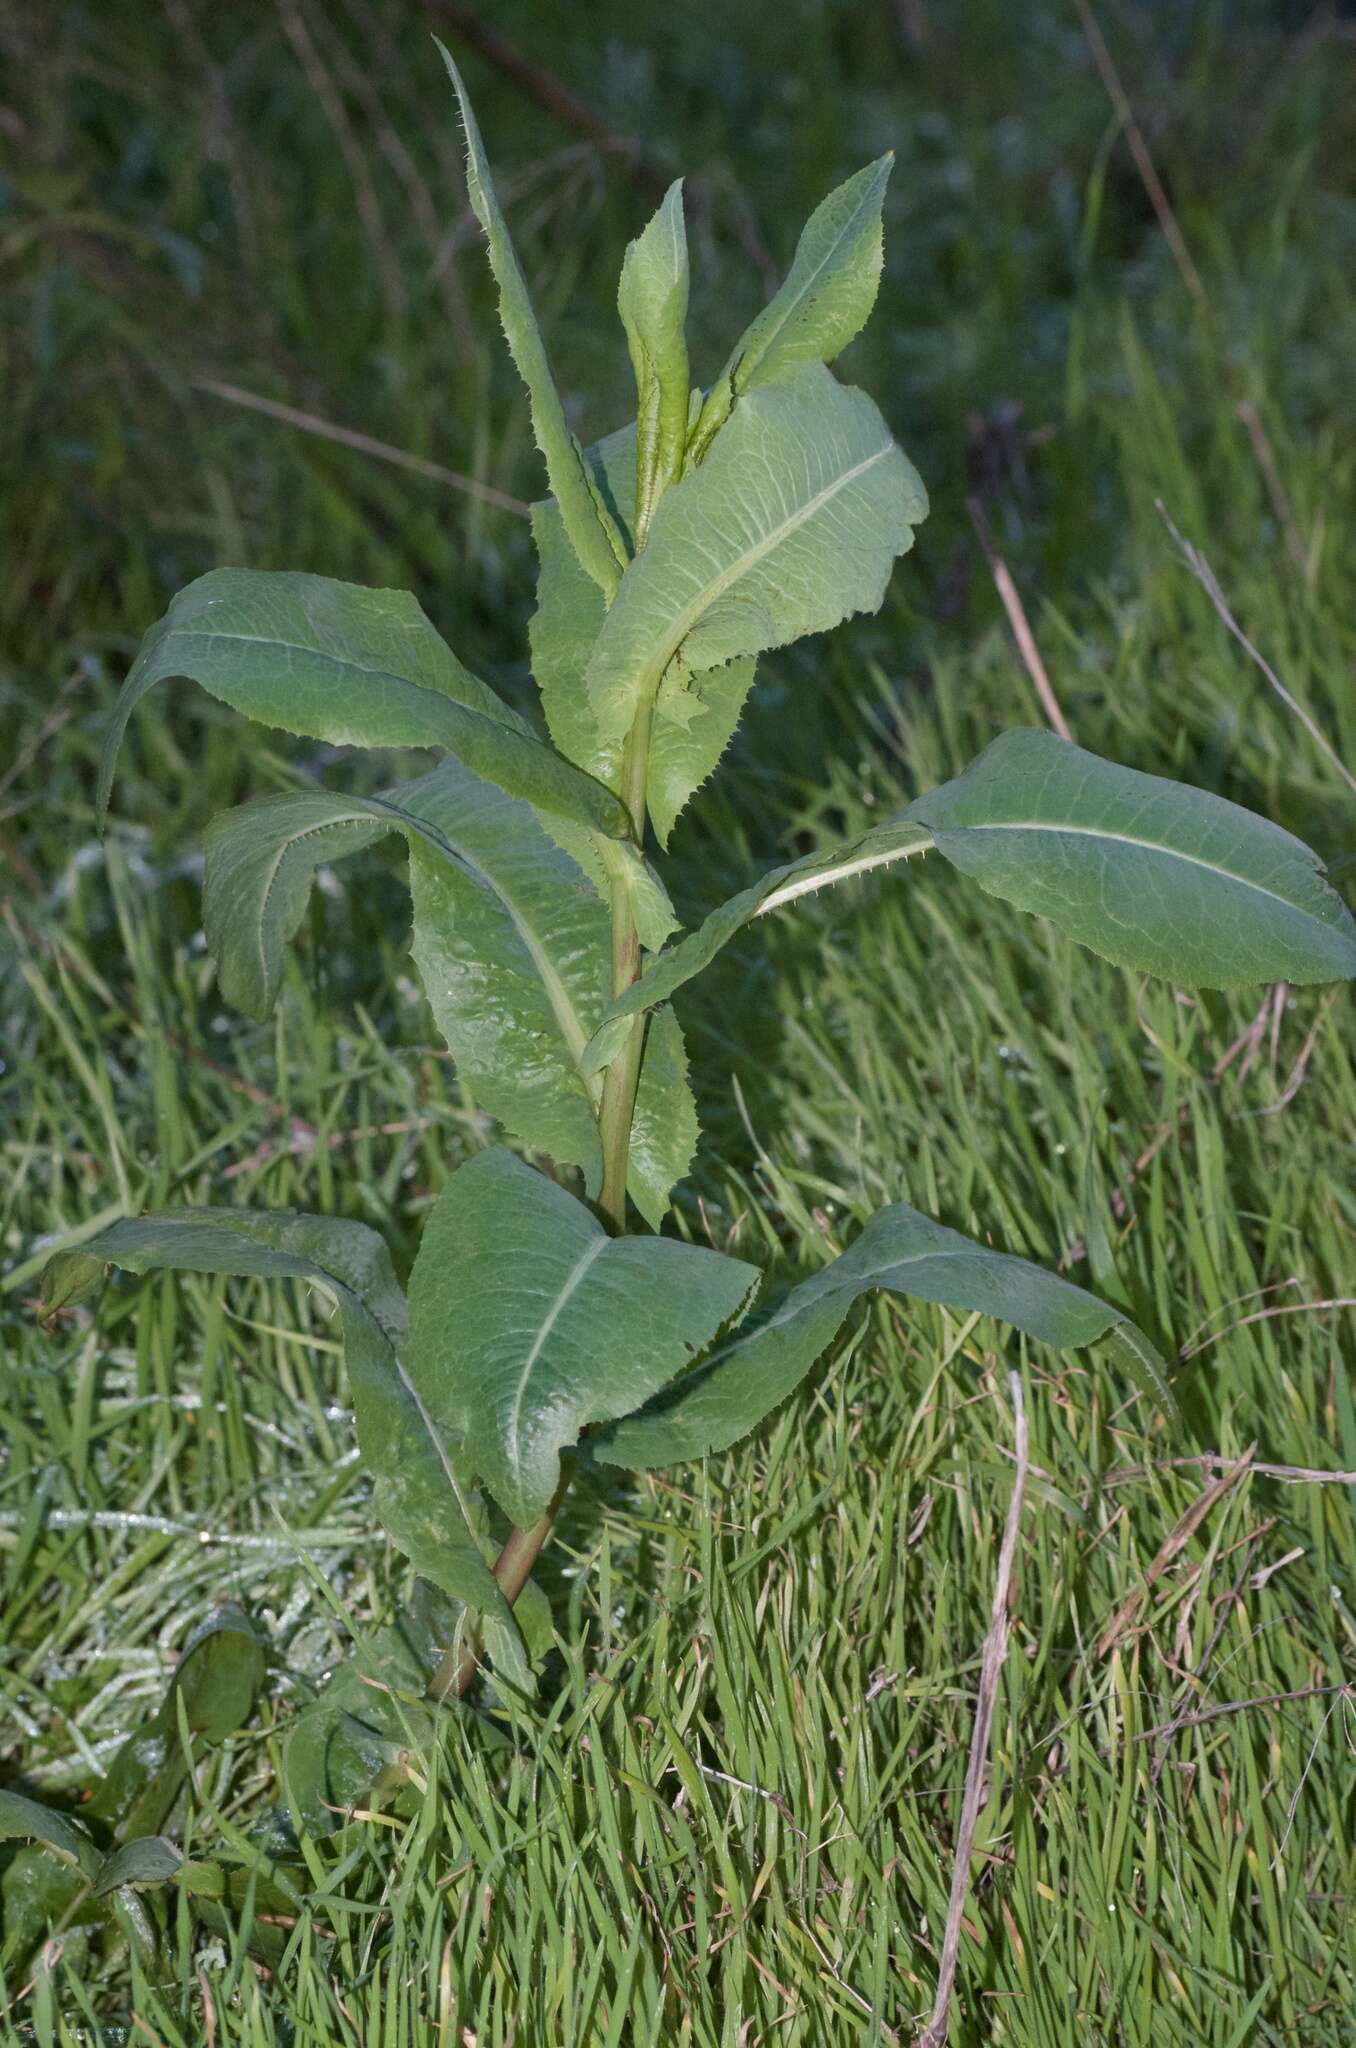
x,y
528,1322
371,1718
652,301
825,300
899,1251
791,524
883,845
664,1129
513,944
218,1678
592,533
1151,874
146,1859
694,716
333,661
24,1820
514,948
422,1494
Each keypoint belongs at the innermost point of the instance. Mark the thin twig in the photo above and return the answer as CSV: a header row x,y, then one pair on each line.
x,y
1172,1545
991,1669
1266,1699
1271,477
1264,1315
1168,222
348,437
1195,561
548,92
1139,150
1017,619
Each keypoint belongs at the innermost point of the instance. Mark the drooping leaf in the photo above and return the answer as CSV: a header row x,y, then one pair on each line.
x,y
823,302
514,950
25,1820
694,716
1150,873
652,301
365,668
218,1678
901,1252
791,525
422,1494
528,1322
895,840
512,943
592,535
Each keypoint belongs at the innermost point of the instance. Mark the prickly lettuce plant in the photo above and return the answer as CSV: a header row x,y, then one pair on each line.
x,y
542,1327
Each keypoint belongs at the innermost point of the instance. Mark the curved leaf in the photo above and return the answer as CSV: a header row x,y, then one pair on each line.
x,y
1149,873
694,716
592,534
823,302
422,1493
513,945
790,525
902,1253
897,839
218,1677
24,1820
364,668
528,1322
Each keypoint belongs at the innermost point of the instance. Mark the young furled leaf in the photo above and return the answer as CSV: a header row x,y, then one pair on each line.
x,y
823,302
652,301
1149,873
592,532
359,668
902,1253
528,1322
791,525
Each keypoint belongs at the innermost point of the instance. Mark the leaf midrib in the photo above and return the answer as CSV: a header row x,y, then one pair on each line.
x,y
1131,839
573,1279
710,593
346,661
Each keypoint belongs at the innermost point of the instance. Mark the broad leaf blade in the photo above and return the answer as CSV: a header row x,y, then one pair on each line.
x,y
824,301
1151,874
356,667
652,301
592,534
422,1493
528,1322
791,525
882,846
512,943
695,716
900,1252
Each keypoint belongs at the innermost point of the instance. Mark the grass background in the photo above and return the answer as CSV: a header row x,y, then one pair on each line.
x,y
729,1816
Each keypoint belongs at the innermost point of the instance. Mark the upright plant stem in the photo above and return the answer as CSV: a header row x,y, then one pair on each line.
x,y
457,1672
